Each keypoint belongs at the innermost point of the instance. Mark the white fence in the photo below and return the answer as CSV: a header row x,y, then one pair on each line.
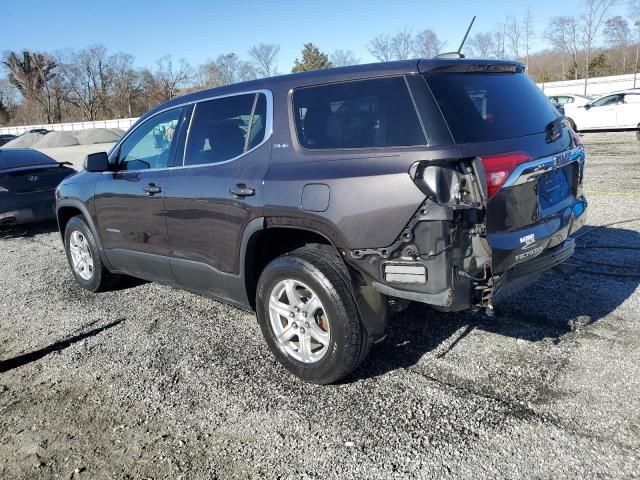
x,y
123,123
595,86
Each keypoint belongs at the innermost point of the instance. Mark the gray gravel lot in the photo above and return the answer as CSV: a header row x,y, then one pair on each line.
x,y
150,382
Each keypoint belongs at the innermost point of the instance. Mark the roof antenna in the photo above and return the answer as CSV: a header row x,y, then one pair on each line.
x,y
458,53
466,35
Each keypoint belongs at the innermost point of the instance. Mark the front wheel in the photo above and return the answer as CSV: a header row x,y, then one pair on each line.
x,y
308,315
83,257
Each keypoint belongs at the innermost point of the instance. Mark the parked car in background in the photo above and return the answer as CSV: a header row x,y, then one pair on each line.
x,y
28,179
327,200
617,111
6,138
44,131
570,101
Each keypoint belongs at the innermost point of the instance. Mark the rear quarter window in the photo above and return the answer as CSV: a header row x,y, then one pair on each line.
x,y
483,107
358,114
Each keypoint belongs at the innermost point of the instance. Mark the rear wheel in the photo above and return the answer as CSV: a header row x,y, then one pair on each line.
x,y
572,124
308,316
83,257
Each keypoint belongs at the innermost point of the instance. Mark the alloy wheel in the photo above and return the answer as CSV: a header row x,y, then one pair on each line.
x,y
299,321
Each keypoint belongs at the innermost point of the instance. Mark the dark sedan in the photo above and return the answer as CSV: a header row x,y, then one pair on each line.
x,y
28,179
6,137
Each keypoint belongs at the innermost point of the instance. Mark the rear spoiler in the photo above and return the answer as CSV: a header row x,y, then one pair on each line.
x,y
37,166
469,65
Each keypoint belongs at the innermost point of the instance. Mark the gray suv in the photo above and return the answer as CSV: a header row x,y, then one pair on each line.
x,y
325,201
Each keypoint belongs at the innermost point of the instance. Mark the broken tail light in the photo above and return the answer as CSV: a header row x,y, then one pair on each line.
x,y
498,168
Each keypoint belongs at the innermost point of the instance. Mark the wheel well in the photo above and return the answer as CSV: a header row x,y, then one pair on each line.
x,y
64,215
269,244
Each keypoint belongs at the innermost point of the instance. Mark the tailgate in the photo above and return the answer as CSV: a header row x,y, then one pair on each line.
x,y
533,164
33,178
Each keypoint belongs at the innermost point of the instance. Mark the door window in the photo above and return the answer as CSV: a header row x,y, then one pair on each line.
x,y
225,128
632,98
608,100
149,146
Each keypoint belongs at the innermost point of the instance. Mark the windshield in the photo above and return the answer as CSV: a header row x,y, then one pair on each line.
x,y
482,107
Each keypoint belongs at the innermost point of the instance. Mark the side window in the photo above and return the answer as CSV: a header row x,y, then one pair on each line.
x,y
149,146
358,114
225,128
632,98
570,99
608,100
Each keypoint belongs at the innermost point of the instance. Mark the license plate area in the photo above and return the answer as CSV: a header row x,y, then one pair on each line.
x,y
556,186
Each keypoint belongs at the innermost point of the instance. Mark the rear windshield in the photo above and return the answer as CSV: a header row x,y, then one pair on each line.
x,y
482,107
10,158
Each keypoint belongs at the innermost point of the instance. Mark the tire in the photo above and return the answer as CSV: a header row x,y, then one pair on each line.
x,y
638,133
572,124
95,277
314,272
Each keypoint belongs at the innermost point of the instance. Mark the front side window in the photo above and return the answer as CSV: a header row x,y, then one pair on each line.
x,y
225,128
358,114
609,100
149,145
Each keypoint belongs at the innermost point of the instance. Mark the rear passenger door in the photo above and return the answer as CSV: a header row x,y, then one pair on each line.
x,y
218,189
629,111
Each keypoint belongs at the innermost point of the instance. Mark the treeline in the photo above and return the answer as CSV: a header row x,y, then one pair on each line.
x,y
93,84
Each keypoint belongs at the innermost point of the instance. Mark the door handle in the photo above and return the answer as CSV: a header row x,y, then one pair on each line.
x,y
152,189
241,191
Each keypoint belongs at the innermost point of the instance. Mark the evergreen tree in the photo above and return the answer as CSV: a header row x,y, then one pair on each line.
x,y
312,59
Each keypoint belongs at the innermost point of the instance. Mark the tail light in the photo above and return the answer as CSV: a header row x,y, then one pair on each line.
x,y
577,141
499,167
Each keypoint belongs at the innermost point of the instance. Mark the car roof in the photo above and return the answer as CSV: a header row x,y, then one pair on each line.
x,y
335,74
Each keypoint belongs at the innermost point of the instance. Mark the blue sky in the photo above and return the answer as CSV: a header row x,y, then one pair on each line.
x,y
198,30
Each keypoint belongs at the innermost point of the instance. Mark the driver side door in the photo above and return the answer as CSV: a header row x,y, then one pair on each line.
x,y
129,200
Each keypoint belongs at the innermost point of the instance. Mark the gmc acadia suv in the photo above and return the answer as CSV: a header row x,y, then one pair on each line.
x,y
326,200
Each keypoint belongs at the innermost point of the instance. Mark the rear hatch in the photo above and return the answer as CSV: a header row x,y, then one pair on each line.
x,y
533,164
25,171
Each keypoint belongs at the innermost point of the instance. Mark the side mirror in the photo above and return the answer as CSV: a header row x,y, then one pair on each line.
x,y
96,162
587,106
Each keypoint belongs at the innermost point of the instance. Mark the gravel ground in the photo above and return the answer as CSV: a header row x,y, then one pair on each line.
x,y
150,382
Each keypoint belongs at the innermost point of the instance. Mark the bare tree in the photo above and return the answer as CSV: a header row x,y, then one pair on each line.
x,y
127,84
481,45
233,70
170,78
499,40
265,56
402,45
343,58
88,78
31,73
528,33
592,17
514,34
426,44
618,35
563,35
381,48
